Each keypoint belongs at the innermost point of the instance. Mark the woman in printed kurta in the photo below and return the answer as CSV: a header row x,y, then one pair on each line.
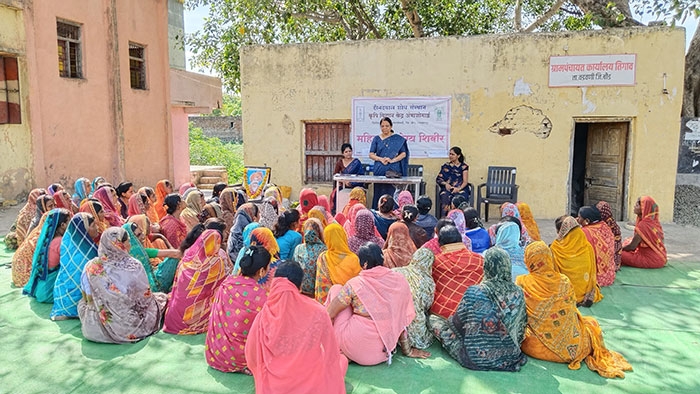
x,y
77,248
337,264
308,252
118,305
236,304
202,269
488,327
418,273
556,331
646,248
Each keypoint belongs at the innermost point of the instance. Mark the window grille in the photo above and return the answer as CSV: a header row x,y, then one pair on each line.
x,y
323,142
10,112
69,50
137,66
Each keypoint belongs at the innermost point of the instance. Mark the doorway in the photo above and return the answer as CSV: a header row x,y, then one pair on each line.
x,y
598,166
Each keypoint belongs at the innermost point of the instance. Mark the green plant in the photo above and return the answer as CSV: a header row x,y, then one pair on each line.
x,y
208,151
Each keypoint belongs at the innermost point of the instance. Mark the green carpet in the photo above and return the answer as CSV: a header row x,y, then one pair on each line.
x,y
651,316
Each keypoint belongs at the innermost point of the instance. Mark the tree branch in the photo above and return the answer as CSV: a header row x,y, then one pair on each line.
x,y
518,15
409,9
553,10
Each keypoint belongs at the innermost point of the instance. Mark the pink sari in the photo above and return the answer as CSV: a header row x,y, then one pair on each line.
x,y
103,195
202,269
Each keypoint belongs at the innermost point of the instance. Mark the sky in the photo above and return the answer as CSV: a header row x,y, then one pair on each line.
x,y
194,20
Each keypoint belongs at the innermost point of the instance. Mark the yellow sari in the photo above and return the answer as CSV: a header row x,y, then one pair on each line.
x,y
574,257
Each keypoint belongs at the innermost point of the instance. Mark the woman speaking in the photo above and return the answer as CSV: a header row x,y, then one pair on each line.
x,y
390,154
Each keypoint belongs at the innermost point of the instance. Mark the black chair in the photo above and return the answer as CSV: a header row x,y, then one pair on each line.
x,y
438,207
500,187
416,170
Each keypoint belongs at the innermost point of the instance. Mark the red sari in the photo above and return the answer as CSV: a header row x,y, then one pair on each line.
x,y
173,229
651,251
603,242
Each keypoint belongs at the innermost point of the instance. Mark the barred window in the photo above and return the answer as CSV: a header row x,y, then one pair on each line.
x,y
323,142
69,50
137,66
9,91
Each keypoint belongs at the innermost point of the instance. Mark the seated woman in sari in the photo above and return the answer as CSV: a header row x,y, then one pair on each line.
x,y
321,214
507,238
364,231
357,196
94,208
44,204
77,248
160,264
337,264
399,247
349,225
24,256
95,184
384,217
237,302
646,249
574,257
457,216
556,331
229,203
371,311
152,199
47,256
510,212
285,232
390,154
195,204
170,225
262,236
245,214
409,214
528,220
453,179
82,191
202,269
63,200
478,236
346,165
607,217
486,331
137,204
602,240
418,274
247,234
107,196
307,253
20,229
163,188
118,305
291,346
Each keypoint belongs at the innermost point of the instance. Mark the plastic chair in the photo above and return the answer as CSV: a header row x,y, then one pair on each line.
x,y
500,187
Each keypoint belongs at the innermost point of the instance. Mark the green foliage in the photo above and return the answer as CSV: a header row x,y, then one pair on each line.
x,y
668,10
207,151
230,107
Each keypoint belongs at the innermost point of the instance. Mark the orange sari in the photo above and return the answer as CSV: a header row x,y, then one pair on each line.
x,y
23,257
161,192
528,221
336,265
556,331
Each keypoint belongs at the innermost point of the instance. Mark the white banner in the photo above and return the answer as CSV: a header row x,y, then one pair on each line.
x,y
423,121
592,70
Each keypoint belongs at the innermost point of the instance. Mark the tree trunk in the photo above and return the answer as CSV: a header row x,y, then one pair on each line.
x,y
691,94
409,9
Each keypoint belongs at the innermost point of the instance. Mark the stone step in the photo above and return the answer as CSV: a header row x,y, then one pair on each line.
x,y
211,179
218,173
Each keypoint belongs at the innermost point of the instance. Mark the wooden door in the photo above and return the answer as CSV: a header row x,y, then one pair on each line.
x,y
322,149
605,165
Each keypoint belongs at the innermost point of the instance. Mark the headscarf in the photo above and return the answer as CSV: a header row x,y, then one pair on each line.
x,y
343,264
228,199
307,200
320,213
273,192
95,184
405,197
77,248
323,202
649,228
104,196
528,221
508,239
112,250
185,187
357,196
102,224
63,200
457,216
574,257
82,190
211,210
42,206
499,288
247,232
365,231
26,214
399,247
53,189
190,215
607,216
136,205
268,215
161,193
308,252
510,209
349,225
41,274
263,236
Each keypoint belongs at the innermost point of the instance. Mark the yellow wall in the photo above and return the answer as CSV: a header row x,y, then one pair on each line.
x,y
283,86
15,139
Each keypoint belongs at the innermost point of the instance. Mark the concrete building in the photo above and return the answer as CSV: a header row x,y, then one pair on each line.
x,y
506,111
113,101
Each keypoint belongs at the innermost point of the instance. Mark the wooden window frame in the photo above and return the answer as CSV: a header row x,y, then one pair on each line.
x,y
70,49
321,152
10,99
137,66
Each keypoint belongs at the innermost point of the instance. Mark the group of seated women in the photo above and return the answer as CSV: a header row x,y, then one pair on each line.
x,y
292,294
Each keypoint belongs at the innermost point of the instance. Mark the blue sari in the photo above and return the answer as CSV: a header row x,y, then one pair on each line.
x,y
508,238
77,248
41,279
82,189
390,147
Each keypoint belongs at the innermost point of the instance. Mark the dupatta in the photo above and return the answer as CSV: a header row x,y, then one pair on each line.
x,y
649,228
342,263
